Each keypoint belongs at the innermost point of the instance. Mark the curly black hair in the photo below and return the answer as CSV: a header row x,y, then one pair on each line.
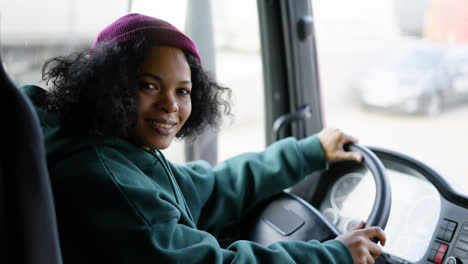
x,y
95,91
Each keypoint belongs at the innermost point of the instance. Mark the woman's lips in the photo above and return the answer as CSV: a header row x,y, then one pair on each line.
x,y
164,128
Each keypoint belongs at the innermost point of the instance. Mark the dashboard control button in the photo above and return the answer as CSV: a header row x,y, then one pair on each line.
x,y
444,224
465,227
442,248
451,226
440,233
432,255
435,245
448,235
439,258
462,245
463,237
459,253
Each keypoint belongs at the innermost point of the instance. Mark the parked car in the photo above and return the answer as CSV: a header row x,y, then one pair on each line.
x,y
455,64
421,77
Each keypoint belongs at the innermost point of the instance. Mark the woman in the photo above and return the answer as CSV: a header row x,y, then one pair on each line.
x,y
118,200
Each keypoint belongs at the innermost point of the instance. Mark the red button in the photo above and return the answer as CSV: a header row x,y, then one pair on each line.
x,y
439,257
442,248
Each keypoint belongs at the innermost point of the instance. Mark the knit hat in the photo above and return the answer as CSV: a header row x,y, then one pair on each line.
x,y
135,26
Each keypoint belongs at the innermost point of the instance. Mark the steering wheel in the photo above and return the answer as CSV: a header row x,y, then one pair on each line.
x,y
289,217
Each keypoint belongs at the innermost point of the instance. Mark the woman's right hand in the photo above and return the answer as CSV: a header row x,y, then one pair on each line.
x,y
332,141
363,250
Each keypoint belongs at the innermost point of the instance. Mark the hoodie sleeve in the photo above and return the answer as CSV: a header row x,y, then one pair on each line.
x,y
107,214
223,194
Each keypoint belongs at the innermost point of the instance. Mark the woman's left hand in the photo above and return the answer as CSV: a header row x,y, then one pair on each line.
x,y
332,141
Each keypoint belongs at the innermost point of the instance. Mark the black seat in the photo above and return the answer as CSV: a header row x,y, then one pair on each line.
x,y
28,228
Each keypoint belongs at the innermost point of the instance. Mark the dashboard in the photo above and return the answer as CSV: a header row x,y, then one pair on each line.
x,y
428,221
413,217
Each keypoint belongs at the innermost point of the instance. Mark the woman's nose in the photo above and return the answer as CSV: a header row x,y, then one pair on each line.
x,y
168,103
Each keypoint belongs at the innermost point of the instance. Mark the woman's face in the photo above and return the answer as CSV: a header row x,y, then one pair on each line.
x,y
164,97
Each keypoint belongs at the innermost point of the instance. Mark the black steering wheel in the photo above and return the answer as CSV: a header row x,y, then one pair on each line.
x,y
289,217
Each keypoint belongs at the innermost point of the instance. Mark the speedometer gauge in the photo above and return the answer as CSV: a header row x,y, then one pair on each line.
x,y
343,188
331,216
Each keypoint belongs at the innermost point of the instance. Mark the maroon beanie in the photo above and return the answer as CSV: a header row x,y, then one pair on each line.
x,y
137,26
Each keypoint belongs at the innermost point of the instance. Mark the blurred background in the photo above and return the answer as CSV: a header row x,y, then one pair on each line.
x,y
394,73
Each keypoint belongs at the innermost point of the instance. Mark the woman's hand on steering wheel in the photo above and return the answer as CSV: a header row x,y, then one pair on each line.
x,y
358,240
333,140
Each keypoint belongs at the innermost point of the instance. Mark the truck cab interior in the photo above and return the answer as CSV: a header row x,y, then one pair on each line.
x,y
416,192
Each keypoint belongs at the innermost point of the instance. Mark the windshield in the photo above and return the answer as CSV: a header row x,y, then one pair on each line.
x,y
425,118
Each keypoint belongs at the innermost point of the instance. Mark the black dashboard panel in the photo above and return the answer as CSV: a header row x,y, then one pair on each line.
x,y
452,231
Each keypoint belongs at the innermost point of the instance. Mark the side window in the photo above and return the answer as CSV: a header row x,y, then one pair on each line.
x,y
384,68
239,66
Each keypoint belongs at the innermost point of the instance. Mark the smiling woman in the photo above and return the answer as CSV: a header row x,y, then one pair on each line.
x,y
163,96
79,77
110,111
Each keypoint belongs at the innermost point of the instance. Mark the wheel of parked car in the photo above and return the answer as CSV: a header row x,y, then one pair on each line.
x,y
434,105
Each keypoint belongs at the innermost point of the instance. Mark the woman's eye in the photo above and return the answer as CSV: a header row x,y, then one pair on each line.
x,y
145,85
184,91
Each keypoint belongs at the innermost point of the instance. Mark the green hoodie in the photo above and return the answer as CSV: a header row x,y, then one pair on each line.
x,y
119,203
